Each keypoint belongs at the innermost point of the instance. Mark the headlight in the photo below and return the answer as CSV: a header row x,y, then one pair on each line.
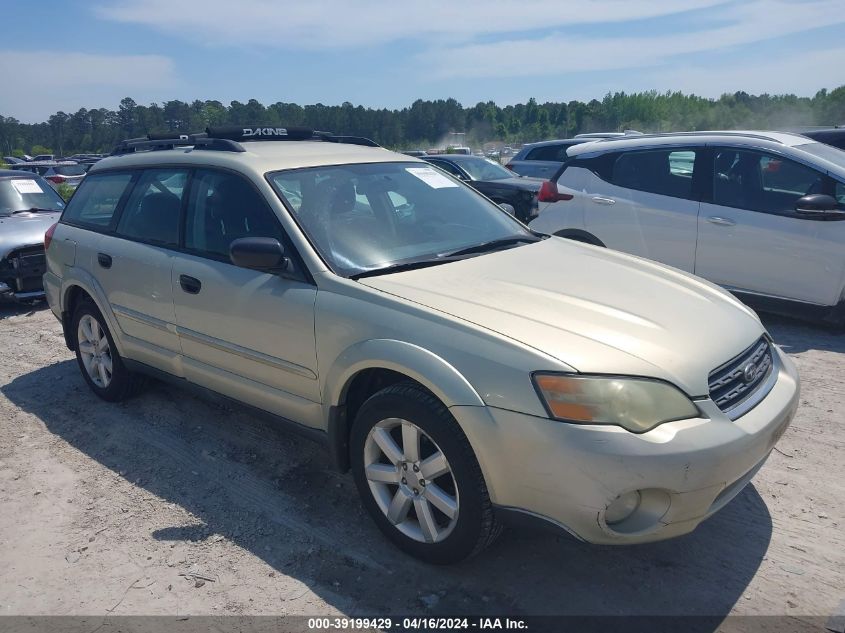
x,y
635,404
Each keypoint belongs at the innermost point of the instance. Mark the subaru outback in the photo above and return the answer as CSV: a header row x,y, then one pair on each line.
x,y
379,305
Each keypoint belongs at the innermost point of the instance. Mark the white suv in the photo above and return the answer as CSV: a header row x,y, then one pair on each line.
x,y
762,214
382,307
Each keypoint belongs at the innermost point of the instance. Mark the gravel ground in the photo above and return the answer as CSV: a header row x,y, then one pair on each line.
x,y
170,504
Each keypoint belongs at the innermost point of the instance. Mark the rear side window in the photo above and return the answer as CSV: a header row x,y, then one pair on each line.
x,y
555,153
96,200
152,211
664,172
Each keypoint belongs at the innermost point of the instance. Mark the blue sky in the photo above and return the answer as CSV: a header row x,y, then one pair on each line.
x,y
63,55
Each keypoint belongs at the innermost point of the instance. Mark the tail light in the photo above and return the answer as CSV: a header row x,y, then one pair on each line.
x,y
48,236
509,166
549,193
58,179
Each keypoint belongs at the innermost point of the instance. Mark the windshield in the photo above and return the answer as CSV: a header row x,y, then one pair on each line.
x,y
373,216
827,152
485,169
20,194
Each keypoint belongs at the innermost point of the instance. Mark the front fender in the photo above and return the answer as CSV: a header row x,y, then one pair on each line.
x,y
418,363
430,370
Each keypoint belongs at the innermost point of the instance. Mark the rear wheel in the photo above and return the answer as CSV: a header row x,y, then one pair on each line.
x,y
98,358
418,477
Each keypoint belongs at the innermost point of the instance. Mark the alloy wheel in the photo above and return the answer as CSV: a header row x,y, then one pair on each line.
x,y
94,350
411,480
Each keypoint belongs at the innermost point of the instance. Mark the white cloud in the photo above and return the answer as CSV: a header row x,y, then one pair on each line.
x,y
332,24
39,83
750,22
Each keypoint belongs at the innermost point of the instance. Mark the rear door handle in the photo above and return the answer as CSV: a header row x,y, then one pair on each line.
x,y
189,284
104,260
715,219
603,200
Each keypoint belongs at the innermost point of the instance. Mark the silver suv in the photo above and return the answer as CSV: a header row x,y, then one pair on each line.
x,y
382,306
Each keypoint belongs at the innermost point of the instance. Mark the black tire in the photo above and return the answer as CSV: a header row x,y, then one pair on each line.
x,y
124,384
476,526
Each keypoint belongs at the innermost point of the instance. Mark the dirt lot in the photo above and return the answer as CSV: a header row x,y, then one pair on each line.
x,y
171,504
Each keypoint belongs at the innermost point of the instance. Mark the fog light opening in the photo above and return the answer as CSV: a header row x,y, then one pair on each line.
x,y
622,507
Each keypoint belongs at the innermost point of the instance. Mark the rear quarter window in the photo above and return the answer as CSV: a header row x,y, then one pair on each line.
x,y
95,201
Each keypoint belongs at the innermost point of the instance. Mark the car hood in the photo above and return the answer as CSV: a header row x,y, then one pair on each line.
x,y
24,229
595,310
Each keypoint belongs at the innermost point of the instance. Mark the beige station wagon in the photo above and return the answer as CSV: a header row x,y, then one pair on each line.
x,y
466,368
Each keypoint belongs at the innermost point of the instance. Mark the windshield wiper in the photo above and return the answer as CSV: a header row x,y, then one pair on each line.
x,y
492,245
398,268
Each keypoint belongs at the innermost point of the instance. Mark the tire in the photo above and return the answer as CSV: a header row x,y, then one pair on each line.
x,y
115,385
386,486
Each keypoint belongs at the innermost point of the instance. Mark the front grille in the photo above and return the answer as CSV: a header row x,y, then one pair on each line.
x,y
23,268
738,385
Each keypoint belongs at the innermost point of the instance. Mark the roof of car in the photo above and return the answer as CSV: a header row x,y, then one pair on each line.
x,y
259,156
763,139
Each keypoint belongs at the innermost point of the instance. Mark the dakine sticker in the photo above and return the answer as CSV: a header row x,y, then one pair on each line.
x,y
27,186
265,131
431,177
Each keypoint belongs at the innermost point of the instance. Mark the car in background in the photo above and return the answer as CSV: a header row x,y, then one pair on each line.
x,y
515,194
834,136
12,160
543,159
760,213
57,173
43,157
28,207
415,152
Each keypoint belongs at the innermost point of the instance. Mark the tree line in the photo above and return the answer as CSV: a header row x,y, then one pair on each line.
x,y
426,123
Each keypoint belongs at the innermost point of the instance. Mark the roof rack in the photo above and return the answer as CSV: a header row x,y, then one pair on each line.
x,y
229,139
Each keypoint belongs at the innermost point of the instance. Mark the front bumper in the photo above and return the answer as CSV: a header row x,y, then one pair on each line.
x,y
685,471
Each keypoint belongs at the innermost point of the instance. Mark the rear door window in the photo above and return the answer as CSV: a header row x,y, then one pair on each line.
x,y
664,172
153,209
95,201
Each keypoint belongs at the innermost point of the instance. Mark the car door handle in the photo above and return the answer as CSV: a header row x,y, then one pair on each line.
x,y
189,284
104,260
715,219
603,200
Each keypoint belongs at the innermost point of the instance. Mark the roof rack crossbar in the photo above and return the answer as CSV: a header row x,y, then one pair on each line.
x,y
157,142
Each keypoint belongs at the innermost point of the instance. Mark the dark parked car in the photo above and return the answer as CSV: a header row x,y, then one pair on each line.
x,y
832,136
28,207
494,181
542,160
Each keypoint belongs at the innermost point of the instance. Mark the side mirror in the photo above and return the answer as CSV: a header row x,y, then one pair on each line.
x,y
816,203
259,253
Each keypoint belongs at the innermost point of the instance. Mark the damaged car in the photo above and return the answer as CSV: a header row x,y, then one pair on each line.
x,y
28,207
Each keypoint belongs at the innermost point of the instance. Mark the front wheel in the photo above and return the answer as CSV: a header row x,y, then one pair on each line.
x,y
418,476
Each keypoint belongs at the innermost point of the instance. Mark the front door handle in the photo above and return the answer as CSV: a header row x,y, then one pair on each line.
x,y
603,200
104,260
189,284
715,219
